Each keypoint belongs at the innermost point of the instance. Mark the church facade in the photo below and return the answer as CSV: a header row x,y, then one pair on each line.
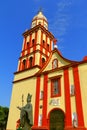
x,y
58,86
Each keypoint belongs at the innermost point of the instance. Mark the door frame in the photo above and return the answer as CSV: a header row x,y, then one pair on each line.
x,y
49,116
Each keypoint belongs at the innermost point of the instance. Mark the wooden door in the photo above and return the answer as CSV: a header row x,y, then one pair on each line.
x,y
56,120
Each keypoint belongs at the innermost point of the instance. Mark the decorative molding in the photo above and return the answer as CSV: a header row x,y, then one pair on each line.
x,y
54,102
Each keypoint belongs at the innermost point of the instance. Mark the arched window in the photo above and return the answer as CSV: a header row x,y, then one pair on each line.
x,y
27,44
33,41
48,47
24,64
39,22
31,61
43,61
43,42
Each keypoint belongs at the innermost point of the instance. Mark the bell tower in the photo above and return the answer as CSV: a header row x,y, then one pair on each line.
x,y
37,44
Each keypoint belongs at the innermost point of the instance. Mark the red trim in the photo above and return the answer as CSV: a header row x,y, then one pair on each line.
x,y
46,45
44,118
30,40
50,49
36,28
24,46
27,60
40,63
68,118
36,114
78,97
34,59
21,65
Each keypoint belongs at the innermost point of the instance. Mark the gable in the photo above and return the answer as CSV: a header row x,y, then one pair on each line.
x,y
60,60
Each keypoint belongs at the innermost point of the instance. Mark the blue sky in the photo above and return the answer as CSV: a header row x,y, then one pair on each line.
x,y
67,21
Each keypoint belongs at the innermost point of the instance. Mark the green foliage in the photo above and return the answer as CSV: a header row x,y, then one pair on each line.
x,y
3,117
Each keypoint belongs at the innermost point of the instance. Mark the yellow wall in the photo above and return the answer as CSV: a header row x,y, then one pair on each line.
x,y
39,36
25,74
23,87
83,84
28,38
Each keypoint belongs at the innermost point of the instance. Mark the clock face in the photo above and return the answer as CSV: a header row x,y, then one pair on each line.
x,y
55,64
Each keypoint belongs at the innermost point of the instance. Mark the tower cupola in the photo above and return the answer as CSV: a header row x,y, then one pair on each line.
x,y
39,19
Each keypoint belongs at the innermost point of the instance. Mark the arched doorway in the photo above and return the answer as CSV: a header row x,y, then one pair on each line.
x,y
56,120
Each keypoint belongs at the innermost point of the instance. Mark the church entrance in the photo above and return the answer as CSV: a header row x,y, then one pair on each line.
x,y
56,121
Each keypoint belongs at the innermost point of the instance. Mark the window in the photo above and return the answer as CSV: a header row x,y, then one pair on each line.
x,y
45,26
24,64
74,119
72,90
48,47
43,42
55,87
33,42
55,63
33,24
43,61
39,22
31,61
27,44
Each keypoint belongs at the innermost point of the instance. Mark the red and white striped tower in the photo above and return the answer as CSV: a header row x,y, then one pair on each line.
x,y
37,44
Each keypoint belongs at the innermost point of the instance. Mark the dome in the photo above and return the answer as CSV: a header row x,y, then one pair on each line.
x,y
39,19
39,16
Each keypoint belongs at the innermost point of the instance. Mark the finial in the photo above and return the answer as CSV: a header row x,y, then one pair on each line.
x,y
55,43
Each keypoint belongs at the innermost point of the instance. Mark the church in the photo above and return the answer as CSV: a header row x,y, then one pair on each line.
x,y
58,85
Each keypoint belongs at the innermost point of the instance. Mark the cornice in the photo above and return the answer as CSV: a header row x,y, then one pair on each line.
x,y
36,66
33,53
35,29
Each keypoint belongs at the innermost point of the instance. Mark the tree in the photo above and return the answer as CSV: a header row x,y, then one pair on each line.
x,y
3,117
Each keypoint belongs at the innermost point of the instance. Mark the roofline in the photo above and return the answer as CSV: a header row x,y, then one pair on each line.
x,y
35,28
72,63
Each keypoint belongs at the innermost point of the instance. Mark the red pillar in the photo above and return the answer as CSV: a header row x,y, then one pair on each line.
x,y
44,118
68,118
78,97
36,114
41,40
24,46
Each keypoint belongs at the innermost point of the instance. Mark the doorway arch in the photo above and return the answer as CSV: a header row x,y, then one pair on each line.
x,y
56,119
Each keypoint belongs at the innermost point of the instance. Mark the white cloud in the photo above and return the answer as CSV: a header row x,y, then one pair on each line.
x,y
61,21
